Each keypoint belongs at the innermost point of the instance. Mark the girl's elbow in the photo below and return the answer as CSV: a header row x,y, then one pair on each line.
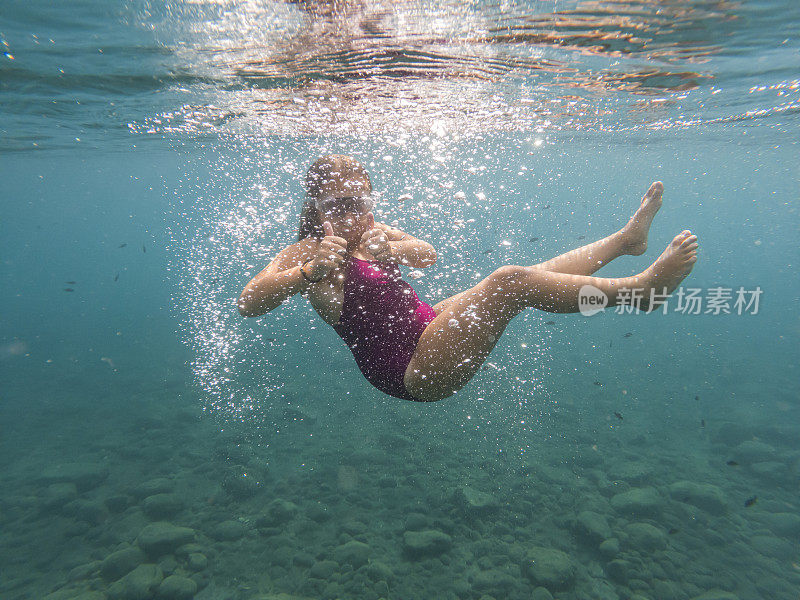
x,y
431,257
246,307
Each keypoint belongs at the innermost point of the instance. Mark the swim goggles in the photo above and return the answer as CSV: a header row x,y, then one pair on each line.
x,y
341,206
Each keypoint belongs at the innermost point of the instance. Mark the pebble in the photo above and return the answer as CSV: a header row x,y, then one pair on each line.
x,y
229,531
278,512
323,569
783,524
197,561
702,495
161,506
353,552
158,485
89,511
176,587
85,476
139,584
241,484
752,451
609,548
638,502
474,501
120,563
592,527
58,494
716,595
416,521
426,543
549,568
162,537
645,538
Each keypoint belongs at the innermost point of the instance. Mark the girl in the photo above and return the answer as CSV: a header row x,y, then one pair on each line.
x,y
347,264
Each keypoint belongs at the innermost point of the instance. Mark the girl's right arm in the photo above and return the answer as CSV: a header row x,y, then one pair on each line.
x,y
280,281
283,277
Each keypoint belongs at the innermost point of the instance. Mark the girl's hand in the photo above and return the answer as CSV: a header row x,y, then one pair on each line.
x,y
331,253
374,241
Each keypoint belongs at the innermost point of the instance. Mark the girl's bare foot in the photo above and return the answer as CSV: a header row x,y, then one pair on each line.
x,y
635,232
674,264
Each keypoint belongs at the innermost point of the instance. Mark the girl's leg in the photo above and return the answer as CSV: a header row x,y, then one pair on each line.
x,y
631,239
454,345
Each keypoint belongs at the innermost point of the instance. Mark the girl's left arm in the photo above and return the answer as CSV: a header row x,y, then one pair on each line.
x,y
408,250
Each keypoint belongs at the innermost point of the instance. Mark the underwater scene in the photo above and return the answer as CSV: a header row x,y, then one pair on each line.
x,y
163,436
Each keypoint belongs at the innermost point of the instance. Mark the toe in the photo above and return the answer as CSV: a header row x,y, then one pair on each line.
x,y
689,240
654,191
678,239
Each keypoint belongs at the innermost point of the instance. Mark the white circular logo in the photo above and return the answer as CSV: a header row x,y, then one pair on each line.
x,y
591,300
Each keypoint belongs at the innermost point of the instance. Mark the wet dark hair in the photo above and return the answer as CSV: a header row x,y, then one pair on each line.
x,y
329,171
310,222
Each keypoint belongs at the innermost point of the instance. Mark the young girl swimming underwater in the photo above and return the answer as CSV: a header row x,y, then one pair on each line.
x,y
348,265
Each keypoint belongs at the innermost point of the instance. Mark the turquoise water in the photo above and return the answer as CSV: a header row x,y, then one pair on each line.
x,y
157,445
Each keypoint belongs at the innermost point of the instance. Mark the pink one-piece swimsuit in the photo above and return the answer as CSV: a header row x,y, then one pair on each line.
x,y
382,321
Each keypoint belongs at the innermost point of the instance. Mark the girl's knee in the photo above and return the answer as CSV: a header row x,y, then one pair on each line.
x,y
507,273
509,276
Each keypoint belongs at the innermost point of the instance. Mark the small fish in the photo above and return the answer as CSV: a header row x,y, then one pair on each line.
x,y
122,245
697,398
116,277
673,531
534,239
598,383
215,281
581,237
71,282
629,334
550,323
489,251
610,343
750,501
68,290
619,416
732,463
545,207
143,248
110,362
702,422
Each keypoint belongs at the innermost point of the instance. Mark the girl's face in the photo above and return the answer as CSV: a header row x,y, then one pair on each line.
x,y
347,215
351,226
